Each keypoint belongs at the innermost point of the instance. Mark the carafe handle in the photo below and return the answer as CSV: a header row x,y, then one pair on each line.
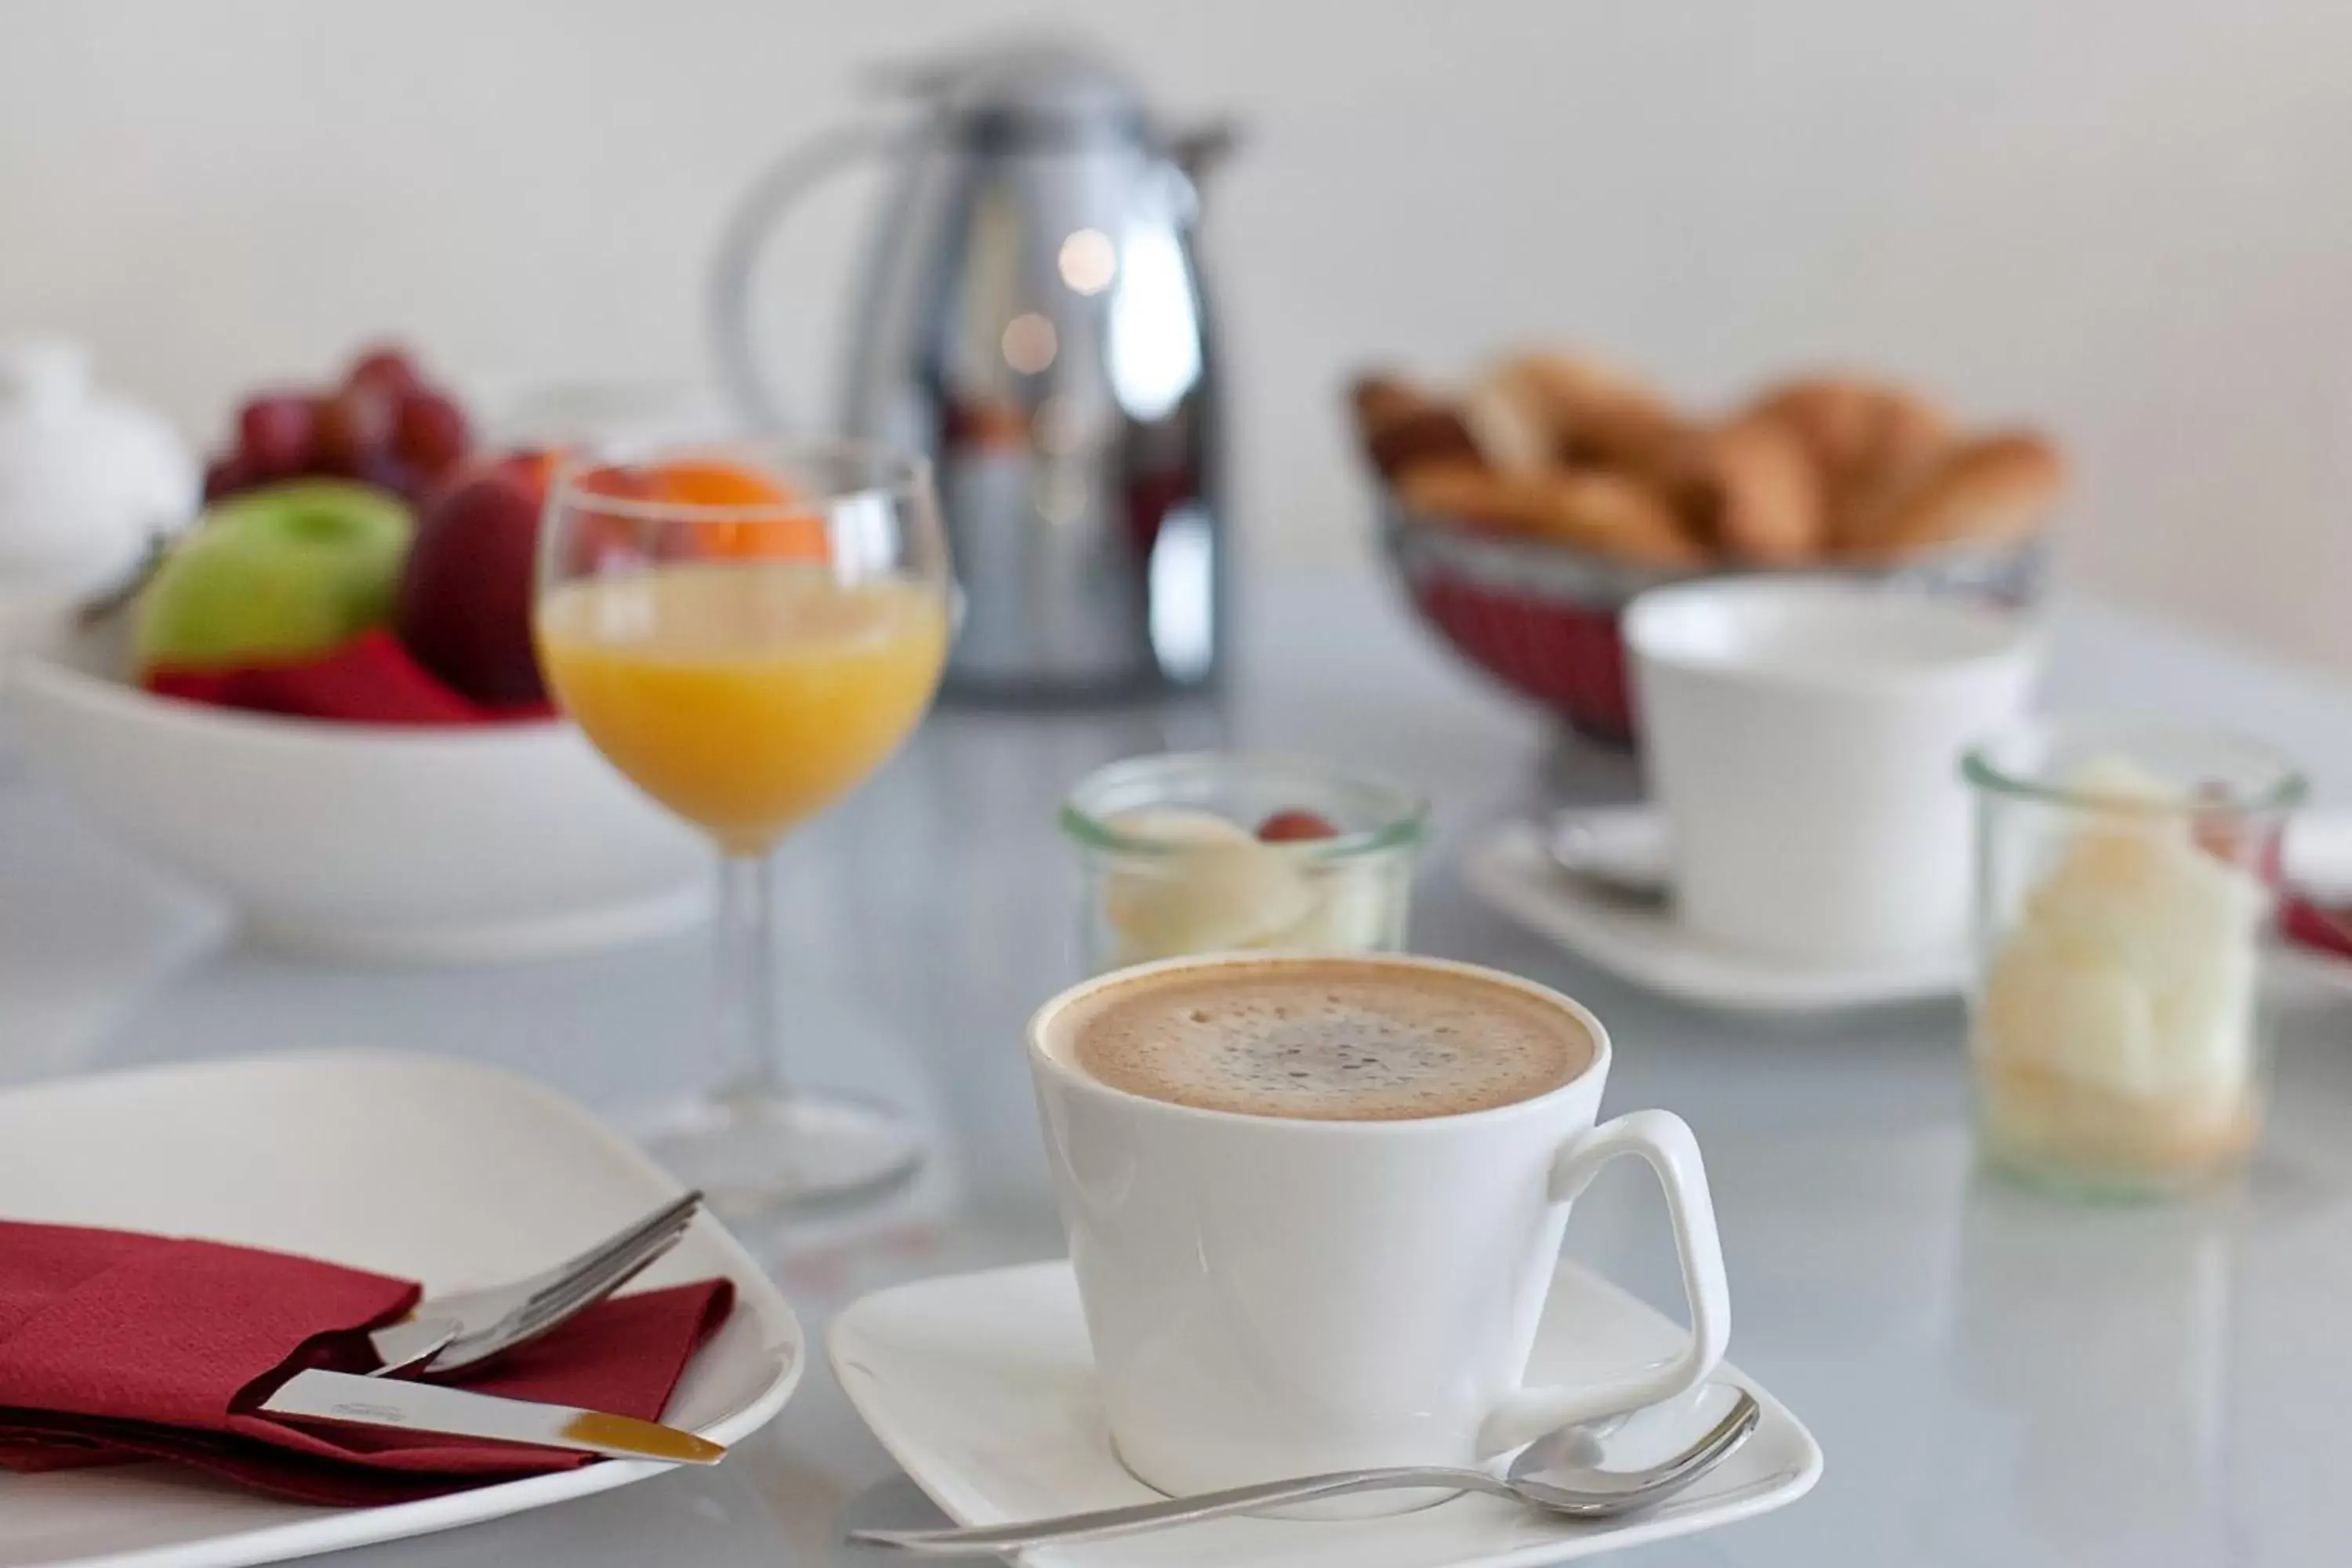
x,y
745,240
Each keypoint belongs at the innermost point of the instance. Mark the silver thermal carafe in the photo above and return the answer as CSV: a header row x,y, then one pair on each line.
x,y
1031,314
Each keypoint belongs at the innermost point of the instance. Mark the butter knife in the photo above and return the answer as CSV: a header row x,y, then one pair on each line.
x,y
347,1399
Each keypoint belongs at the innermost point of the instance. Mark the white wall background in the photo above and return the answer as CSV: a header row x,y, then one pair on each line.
x,y
2126,218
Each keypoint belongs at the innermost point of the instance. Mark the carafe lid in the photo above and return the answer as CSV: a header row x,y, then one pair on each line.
x,y
1044,89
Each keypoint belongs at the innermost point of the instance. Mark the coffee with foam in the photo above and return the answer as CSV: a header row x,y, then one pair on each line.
x,y
1324,1040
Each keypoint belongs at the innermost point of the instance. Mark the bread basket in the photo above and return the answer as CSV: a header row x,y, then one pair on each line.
x,y
1540,617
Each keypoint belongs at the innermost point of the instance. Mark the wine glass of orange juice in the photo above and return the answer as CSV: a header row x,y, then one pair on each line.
x,y
747,632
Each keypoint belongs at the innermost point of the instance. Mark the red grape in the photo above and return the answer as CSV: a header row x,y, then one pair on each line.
x,y
381,424
353,424
224,476
386,369
430,431
387,472
274,431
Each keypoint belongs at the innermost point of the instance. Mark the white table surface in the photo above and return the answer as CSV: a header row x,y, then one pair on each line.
x,y
1996,1380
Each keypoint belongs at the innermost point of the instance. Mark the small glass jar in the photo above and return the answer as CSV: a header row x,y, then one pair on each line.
x,y
1185,853
2127,875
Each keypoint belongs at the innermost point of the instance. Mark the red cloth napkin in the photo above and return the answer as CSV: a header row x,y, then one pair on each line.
x,y
116,1344
2315,926
371,680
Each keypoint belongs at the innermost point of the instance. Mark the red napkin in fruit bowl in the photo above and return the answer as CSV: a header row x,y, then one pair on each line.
x,y
116,1345
371,680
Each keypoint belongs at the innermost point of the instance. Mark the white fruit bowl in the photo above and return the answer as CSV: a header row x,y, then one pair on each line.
x,y
426,845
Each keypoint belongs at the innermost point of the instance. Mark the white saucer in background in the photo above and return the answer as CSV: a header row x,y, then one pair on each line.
x,y
439,1171
1607,916
2317,860
1511,866
981,1387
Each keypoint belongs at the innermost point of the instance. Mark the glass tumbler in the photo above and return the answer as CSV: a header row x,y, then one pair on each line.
x,y
1216,852
2127,875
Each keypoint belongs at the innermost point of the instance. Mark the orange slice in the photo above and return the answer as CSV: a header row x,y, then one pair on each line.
x,y
714,482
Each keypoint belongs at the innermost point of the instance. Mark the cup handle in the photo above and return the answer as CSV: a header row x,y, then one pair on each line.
x,y
1665,1142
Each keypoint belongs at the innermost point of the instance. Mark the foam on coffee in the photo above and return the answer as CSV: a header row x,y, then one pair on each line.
x,y
1323,1040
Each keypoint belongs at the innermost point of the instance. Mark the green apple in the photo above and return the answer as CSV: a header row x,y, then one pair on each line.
x,y
274,576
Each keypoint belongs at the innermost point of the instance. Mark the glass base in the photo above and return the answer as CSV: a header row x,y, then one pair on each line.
x,y
2089,1180
758,1156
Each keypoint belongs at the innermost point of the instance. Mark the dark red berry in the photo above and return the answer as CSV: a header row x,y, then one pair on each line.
x,y
387,472
224,477
1295,824
274,430
430,431
352,425
385,369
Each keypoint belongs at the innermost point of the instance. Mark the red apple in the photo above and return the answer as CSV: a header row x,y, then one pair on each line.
x,y
464,607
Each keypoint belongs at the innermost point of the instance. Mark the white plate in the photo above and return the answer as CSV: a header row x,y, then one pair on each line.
x,y
1511,868
439,1171
981,1387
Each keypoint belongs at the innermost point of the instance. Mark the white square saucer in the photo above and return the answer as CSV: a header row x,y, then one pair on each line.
x,y
1511,868
981,1387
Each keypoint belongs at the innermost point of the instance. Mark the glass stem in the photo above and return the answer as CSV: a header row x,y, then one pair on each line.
x,y
749,1055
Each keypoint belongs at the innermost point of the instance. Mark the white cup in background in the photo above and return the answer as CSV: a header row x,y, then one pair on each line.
x,y
1803,736
1269,1297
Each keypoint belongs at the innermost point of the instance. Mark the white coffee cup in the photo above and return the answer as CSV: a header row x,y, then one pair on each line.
x,y
1270,1297
1803,735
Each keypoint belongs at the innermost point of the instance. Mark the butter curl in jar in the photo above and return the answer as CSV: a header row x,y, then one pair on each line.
x,y
2126,880
1224,851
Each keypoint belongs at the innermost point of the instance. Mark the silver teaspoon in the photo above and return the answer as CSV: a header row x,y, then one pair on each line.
x,y
1619,850
1589,1471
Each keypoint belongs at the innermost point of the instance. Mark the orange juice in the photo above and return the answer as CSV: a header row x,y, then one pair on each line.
x,y
743,696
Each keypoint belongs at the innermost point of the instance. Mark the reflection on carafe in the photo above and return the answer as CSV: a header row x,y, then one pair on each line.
x,y
2091,1357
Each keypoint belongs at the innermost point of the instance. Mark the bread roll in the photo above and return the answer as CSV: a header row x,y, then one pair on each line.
x,y
1913,436
1455,490
1511,425
1597,414
1912,433
1607,514
1758,493
1866,437
1837,418
1400,426
1381,400
1990,489
1619,515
